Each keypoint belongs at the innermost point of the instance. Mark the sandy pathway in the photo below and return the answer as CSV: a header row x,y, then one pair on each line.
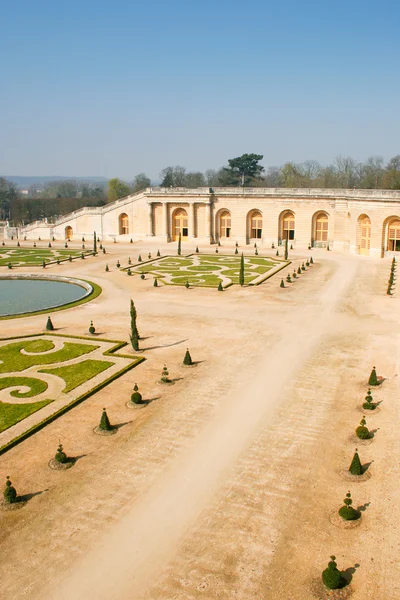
x,y
132,552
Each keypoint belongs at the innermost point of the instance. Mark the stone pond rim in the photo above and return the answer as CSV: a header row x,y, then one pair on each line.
x,y
84,291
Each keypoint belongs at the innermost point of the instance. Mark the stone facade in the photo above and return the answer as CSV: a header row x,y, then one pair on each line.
x,y
361,221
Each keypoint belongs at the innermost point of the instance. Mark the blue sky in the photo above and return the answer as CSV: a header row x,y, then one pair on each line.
x,y
95,87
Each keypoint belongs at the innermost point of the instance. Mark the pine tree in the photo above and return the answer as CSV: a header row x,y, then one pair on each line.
x,y
373,380
347,512
136,396
105,424
286,249
179,244
134,335
362,431
49,324
94,243
356,466
60,455
187,359
241,272
91,328
10,493
331,576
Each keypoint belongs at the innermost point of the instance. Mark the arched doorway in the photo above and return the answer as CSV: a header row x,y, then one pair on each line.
x,y
320,230
180,224
225,224
68,232
287,228
393,236
364,234
255,225
123,224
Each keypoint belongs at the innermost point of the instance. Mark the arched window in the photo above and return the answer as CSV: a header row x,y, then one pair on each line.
x,y
180,224
225,224
321,228
123,224
256,226
394,235
288,226
364,234
68,232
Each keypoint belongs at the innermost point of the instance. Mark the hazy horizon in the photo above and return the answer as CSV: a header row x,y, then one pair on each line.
x,y
128,88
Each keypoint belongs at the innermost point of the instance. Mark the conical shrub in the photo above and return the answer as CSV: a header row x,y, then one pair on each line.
x,y
10,493
294,274
139,258
356,466
236,250
220,288
197,249
107,269
311,261
158,253
373,379
282,284
187,359
331,576
362,432
60,455
105,424
299,271
49,324
91,328
347,512
277,253
155,283
136,396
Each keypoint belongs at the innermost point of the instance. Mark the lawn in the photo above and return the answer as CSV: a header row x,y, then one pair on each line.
x,y
207,270
23,256
78,373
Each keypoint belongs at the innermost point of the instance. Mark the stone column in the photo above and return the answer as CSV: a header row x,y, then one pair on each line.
x,y
192,232
165,220
150,217
208,228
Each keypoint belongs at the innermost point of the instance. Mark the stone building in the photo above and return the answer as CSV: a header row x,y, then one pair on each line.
x,y
361,221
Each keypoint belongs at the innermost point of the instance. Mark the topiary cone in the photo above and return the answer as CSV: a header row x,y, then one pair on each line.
x,y
356,466
60,456
49,324
331,576
282,284
155,282
220,288
347,512
105,424
107,268
187,359
136,397
91,328
10,493
299,271
362,431
373,379
164,375
311,261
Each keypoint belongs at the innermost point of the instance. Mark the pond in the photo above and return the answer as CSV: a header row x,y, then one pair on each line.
x,y
20,295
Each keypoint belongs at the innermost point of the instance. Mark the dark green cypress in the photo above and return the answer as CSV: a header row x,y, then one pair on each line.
x,y
356,466
179,244
94,243
134,334
105,424
241,272
49,324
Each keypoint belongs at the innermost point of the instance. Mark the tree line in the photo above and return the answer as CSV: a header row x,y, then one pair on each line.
x,y
60,197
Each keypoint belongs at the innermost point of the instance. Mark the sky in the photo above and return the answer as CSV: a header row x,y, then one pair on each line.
x,y
113,89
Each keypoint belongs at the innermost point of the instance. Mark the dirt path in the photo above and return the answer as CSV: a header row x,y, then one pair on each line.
x,y
130,554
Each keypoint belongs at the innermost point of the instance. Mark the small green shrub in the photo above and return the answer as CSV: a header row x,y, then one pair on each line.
x,y
373,379
91,328
60,455
356,466
368,404
164,375
136,396
187,285
139,258
187,359
107,269
155,284
105,424
220,288
347,512
282,284
158,253
311,261
288,278
118,264
10,493
236,250
299,271
277,253
129,272
331,576
149,255
49,324
197,249
362,431
104,250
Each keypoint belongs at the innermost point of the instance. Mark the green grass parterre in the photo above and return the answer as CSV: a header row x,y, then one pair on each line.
x,y
207,270
20,257
27,356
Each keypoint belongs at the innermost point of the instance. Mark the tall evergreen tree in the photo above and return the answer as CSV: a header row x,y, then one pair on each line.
x,y
179,244
94,243
134,335
241,272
